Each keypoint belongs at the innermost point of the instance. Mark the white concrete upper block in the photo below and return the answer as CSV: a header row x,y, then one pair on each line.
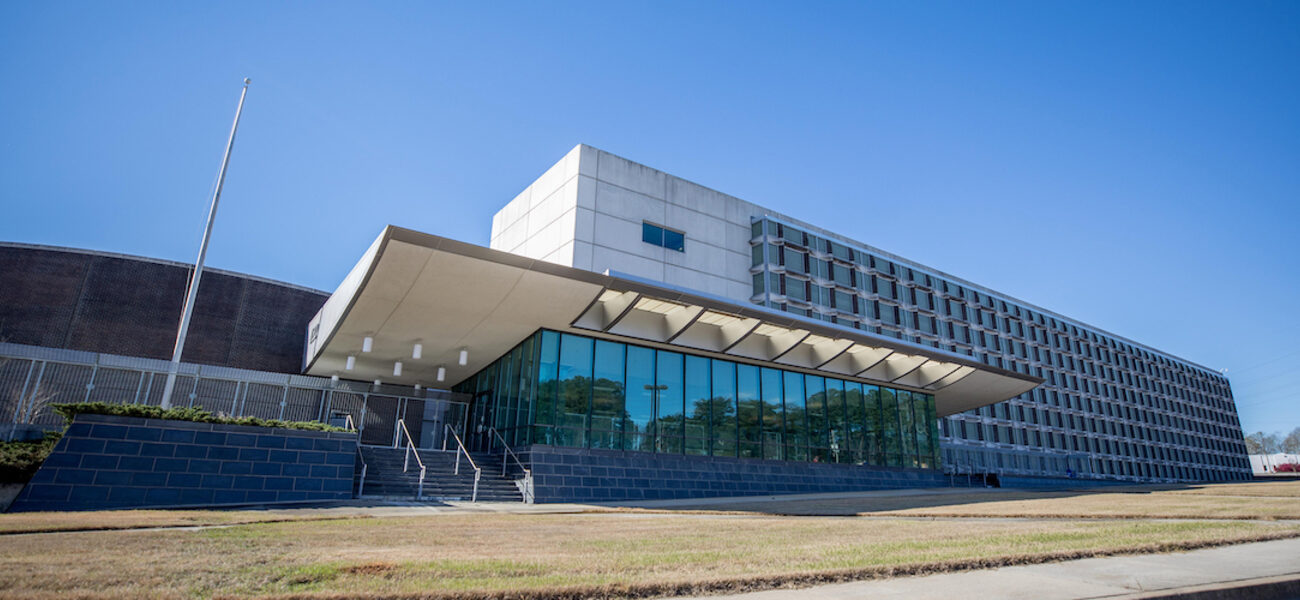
x,y
634,176
604,258
630,205
581,160
586,211
554,206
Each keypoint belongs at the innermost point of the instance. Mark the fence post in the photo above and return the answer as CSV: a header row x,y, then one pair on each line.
x,y
90,387
138,387
234,401
36,390
18,406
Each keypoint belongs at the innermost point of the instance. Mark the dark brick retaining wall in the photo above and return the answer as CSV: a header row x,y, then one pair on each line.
x,y
585,475
115,304
125,462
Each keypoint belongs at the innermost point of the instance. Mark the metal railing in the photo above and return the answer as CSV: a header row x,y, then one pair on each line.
x,y
460,449
361,486
410,449
525,484
31,377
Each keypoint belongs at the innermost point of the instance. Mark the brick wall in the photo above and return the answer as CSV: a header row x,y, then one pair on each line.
x,y
587,475
124,462
80,300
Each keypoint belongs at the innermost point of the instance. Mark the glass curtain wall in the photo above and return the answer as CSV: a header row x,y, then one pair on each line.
x,y
576,391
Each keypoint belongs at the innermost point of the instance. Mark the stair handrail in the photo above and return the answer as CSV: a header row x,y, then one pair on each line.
x,y
460,449
406,464
527,489
507,452
361,487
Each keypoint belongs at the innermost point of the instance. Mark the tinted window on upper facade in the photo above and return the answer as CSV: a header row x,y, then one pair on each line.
x,y
659,236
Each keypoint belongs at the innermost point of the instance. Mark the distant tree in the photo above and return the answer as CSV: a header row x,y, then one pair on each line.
x,y
1272,443
1255,443
1265,443
1291,443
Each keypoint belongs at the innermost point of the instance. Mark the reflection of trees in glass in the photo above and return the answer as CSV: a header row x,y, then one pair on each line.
x,y
604,394
607,414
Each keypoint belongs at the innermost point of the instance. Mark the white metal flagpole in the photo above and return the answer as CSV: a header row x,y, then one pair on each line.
x,y
193,291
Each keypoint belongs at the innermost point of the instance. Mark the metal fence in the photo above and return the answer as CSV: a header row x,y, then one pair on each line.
x,y
33,377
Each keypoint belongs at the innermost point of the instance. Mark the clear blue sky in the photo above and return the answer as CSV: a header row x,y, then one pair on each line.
x,y
1134,165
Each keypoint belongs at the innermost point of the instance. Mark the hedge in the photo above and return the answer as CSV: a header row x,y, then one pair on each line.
x,y
19,460
72,409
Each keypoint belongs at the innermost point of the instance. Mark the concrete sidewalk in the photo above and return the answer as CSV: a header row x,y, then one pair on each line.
x,y
1139,576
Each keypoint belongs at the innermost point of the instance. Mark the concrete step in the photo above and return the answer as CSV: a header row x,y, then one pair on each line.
x,y
385,476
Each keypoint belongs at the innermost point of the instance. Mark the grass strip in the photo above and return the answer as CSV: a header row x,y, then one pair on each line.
x,y
737,585
79,522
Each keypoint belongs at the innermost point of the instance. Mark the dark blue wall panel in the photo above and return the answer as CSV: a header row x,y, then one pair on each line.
x,y
124,462
588,475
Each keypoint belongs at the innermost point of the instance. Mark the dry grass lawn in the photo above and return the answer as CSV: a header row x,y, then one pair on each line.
x,y
138,519
720,547
1250,501
578,555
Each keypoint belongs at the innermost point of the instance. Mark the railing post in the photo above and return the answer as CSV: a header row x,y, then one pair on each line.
x,y
477,473
419,491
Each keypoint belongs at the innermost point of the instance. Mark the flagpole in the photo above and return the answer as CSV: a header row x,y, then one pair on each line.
x,y
193,291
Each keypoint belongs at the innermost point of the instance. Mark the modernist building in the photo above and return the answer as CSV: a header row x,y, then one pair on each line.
x,y
630,334
1109,407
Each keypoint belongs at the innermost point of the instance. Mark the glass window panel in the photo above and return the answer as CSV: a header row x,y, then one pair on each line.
x,y
749,411
771,417
932,426
575,390
794,260
841,275
796,417
669,403
547,375
820,268
527,394
906,428
837,422
855,423
796,289
889,428
674,240
698,404
607,396
651,234
875,432
791,234
638,430
818,431
723,412
513,378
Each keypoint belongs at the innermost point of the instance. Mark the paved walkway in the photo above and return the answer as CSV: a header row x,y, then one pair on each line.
x,y
1140,576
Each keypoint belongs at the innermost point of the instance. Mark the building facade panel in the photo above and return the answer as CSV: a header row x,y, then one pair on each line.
x,y
1110,409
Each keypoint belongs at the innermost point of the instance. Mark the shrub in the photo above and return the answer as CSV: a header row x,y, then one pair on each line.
x,y
198,415
19,460
1288,468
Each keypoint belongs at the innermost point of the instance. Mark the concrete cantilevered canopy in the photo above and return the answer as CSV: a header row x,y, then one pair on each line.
x,y
413,288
